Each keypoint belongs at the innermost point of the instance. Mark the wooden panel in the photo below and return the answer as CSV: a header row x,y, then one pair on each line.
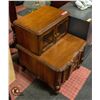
x,y
63,51
66,74
36,30
40,70
26,39
47,40
61,28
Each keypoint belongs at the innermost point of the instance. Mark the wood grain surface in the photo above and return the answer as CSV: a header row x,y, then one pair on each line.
x,y
60,54
39,19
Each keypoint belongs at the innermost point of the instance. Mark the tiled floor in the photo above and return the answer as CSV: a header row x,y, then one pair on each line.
x,y
69,89
72,87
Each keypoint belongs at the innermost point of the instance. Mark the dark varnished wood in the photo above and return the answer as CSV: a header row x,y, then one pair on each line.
x,y
39,30
12,14
63,51
46,48
12,11
56,64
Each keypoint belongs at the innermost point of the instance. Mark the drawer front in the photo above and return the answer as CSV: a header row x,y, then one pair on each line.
x,y
27,40
40,70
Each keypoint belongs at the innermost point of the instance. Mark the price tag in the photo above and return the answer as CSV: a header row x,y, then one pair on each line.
x,y
65,12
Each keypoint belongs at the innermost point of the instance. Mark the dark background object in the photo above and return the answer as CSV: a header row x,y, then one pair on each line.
x,y
17,3
12,11
58,4
12,14
78,27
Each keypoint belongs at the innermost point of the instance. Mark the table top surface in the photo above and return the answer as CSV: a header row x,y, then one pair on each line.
x,y
63,51
40,19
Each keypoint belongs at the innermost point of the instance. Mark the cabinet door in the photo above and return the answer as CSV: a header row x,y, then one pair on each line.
x,y
61,29
47,40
